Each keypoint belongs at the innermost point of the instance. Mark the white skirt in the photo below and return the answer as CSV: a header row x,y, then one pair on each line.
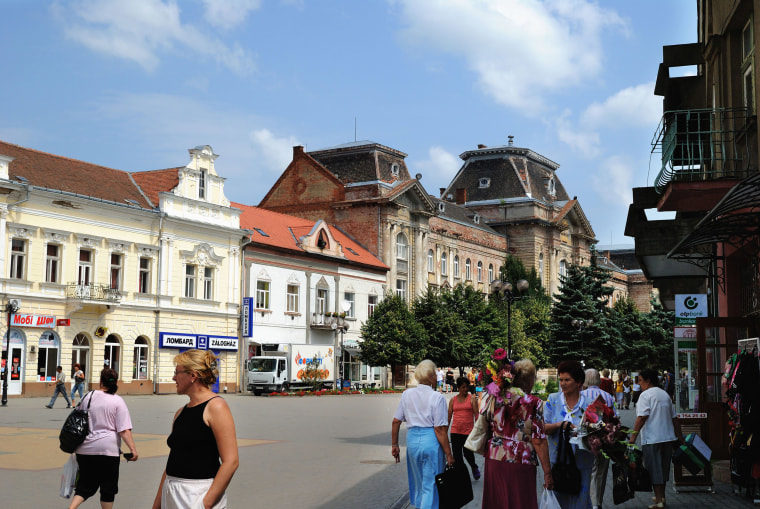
x,y
179,493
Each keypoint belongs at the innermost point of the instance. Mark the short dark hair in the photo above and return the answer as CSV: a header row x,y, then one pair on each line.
x,y
651,376
462,380
574,369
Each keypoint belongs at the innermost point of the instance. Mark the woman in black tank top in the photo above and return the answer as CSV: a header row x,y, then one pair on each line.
x,y
203,453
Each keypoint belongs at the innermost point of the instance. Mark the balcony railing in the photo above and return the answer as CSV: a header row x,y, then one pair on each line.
x,y
699,145
92,291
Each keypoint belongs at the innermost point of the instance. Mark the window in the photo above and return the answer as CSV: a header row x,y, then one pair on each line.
x,y
351,299
748,49
468,270
484,183
456,266
262,294
18,258
563,268
322,301
490,272
52,262
431,261
47,357
401,288
480,272
143,284
111,355
293,292
371,303
402,253
208,283
541,268
202,185
444,264
84,276
115,271
189,281
140,359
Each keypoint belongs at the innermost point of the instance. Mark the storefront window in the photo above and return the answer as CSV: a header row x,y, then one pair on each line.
x,y
140,359
47,357
111,355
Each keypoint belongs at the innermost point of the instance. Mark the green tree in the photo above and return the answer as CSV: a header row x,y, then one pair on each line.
x,y
391,336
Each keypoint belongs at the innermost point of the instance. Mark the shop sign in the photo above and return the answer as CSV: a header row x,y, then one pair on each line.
x,y
689,307
27,320
201,342
63,322
686,338
246,313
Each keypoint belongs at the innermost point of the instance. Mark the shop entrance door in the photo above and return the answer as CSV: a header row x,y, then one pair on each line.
x,y
717,340
15,376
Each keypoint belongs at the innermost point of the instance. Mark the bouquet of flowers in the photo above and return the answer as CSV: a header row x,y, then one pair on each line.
x,y
602,432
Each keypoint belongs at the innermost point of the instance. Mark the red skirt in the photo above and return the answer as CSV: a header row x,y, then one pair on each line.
x,y
509,486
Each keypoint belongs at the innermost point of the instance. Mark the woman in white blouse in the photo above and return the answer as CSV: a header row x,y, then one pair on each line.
x,y
426,415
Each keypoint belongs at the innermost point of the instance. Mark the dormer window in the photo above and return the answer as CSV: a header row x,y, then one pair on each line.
x,y
476,219
441,207
202,185
551,187
395,168
484,183
322,241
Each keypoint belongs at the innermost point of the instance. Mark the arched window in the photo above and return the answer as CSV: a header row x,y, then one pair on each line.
x,y
140,359
80,352
563,268
468,270
431,261
402,253
444,263
490,272
47,356
456,267
112,353
480,272
541,268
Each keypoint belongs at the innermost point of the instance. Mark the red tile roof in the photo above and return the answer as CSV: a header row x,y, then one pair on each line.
x,y
155,181
282,231
60,173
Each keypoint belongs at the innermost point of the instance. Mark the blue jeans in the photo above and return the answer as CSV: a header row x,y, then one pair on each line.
x,y
62,389
78,386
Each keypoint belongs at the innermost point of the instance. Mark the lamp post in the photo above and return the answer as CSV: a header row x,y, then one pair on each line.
x,y
339,324
505,291
10,307
580,325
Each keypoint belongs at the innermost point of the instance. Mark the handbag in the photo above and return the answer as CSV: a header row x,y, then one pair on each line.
x,y
477,440
454,487
76,427
69,477
566,475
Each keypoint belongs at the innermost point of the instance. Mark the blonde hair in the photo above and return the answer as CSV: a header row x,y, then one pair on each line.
x,y
425,371
201,362
524,375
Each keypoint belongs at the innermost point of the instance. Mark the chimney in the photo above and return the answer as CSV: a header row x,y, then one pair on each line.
x,y
511,140
443,190
480,145
461,196
297,150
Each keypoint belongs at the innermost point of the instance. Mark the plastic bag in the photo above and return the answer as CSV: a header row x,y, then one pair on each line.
x,y
549,501
69,477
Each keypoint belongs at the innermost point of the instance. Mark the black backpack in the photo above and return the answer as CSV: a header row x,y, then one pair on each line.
x,y
76,428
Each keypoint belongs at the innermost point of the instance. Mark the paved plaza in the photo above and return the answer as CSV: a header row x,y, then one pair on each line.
x,y
311,452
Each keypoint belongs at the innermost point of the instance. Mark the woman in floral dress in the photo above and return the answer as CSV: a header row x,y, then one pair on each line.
x,y
517,436
568,405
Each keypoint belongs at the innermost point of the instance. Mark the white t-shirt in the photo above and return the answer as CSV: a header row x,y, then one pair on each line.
x,y
655,403
422,407
439,375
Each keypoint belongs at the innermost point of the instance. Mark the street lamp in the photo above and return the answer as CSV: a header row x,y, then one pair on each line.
x,y
579,325
504,290
10,307
339,324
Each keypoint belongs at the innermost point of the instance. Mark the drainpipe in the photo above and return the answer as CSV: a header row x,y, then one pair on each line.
x,y
245,241
26,187
157,311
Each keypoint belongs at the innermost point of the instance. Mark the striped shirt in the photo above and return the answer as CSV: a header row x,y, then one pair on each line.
x,y
593,392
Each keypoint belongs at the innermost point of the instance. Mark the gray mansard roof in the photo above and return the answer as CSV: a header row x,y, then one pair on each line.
x,y
363,161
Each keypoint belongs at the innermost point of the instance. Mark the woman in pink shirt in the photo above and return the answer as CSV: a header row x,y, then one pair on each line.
x,y
463,409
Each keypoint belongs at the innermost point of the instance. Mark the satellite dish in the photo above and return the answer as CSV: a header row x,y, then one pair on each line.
x,y
345,306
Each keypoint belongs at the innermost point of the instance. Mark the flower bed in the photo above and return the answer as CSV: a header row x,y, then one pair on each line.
x,y
333,392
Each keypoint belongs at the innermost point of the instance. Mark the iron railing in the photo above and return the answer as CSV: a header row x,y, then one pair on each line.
x,y
702,144
92,291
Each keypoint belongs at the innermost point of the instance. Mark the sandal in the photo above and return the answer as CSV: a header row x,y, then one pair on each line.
x,y
476,473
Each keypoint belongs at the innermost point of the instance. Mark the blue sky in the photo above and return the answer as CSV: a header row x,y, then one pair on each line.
x,y
134,84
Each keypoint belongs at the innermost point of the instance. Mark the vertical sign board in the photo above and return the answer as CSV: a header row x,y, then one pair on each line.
x,y
689,307
246,313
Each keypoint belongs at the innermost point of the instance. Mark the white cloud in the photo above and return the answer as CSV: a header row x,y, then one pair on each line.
x,y
438,169
520,49
612,181
229,13
635,106
276,152
142,31
585,142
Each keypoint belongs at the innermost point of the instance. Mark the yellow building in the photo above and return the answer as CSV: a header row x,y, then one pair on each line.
x,y
115,269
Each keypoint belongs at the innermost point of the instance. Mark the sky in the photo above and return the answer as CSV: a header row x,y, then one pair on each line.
x,y
134,84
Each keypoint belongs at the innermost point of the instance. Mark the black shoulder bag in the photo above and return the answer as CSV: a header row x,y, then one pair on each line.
x,y
76,428
566,475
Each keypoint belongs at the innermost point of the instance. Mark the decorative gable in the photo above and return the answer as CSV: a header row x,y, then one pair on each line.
x,y
320,240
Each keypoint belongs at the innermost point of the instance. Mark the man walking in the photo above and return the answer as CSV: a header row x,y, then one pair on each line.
x,y
601,464
60,387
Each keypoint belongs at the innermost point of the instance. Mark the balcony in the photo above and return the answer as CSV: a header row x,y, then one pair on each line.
x,y
702,145
93,293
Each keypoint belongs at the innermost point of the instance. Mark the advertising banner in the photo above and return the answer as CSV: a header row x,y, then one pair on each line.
x,y
689,307
686,338
201,342
28,320
246,313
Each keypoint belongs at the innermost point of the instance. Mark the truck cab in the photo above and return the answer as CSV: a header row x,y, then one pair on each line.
x,y
268,374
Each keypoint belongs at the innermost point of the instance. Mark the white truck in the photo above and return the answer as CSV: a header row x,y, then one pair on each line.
x,y
279,371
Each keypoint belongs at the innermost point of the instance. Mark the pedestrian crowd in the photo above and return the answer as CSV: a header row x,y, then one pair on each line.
x,y
517,432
